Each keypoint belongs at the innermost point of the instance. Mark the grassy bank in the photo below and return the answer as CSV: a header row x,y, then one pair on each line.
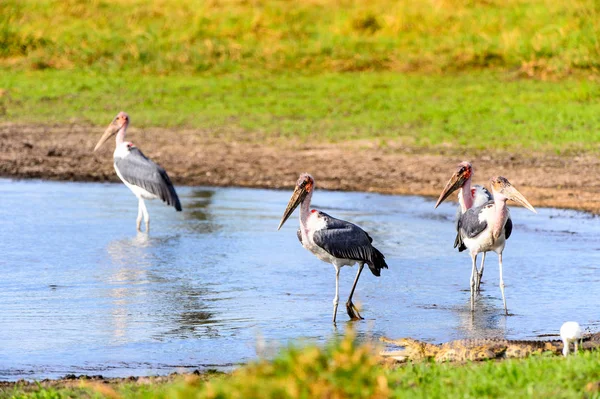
x,y
466,111
346,370
540,37
431,74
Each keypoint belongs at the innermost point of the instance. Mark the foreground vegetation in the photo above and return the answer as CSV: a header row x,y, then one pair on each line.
x,y
347,370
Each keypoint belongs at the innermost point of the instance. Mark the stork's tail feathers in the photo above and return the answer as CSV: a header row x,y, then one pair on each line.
x,y
458,242
377,262
172,198
177,204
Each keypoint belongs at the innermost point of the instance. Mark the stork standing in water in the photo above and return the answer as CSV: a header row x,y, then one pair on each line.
x,y
333,240
486,228
468,197
144,178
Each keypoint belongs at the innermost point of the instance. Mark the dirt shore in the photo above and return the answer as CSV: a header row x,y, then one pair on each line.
x,y
196,157
100,384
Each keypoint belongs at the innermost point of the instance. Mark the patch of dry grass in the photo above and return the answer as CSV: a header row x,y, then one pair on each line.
x,y
541,37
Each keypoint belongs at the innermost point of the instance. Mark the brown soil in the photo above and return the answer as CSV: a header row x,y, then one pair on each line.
x,y
195,157
100,384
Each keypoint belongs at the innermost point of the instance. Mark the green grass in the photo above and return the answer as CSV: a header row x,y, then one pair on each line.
x,y
220,36
347,370
478,110
432,74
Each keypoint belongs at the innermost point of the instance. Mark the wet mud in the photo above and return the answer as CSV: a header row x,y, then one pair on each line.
x,y
196,157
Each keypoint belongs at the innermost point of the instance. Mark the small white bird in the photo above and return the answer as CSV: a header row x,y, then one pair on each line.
x,y
570,332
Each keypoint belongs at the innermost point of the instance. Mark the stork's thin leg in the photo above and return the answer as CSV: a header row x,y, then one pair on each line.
x,y
140,214
350,308
502,283
480,274
336,300
473,274
146,215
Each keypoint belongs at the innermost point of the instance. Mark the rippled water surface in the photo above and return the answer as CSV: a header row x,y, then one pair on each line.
x,y
216,284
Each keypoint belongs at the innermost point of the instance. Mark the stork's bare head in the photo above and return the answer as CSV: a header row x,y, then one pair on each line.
x,y
121,121
503,190
463,172
304,186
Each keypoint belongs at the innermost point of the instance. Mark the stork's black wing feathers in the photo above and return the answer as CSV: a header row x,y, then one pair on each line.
x,y
469,224
138,170
458,242
348,241
508,228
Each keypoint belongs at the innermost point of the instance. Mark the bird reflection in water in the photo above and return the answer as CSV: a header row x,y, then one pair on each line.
x,y
198,215
128,278
151,296
484,322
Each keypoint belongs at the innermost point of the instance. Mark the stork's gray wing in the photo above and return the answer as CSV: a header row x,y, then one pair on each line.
x,y
345,240
458,240
140,171
483,197
299,234
469,224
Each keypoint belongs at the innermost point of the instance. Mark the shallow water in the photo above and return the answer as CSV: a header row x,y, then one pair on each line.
x,y
217,285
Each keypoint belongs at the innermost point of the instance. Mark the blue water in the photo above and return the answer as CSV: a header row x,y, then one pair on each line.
x,y
216,285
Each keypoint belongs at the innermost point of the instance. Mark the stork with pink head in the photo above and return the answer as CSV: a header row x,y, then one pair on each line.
x,y
332,240
469,196
486,228
146,179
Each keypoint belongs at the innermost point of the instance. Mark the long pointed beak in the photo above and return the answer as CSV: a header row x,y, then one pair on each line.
x,y
111,130
514,194
297,197
456,181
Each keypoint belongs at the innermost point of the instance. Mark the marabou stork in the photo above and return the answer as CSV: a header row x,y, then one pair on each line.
x,y
333,240
468,197
486,228
145,179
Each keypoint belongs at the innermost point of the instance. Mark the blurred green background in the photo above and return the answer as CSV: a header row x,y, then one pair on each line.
x,y
454,73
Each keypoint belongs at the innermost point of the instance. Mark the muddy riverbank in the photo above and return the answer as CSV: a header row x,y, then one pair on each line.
x,y
195,157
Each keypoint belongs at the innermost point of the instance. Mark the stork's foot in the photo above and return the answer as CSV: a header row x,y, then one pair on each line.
x,y
353,311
